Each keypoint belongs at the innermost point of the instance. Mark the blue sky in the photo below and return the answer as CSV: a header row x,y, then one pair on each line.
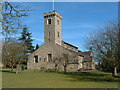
x,y
79,19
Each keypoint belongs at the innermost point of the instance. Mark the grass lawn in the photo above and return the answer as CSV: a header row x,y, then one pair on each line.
x,y
31,79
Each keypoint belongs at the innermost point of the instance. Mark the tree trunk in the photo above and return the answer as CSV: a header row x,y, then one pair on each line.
x,y
65,69
12,68
18,69
114,73
55,67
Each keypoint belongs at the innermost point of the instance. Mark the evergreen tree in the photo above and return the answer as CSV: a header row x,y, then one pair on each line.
x,y
26,38
37,46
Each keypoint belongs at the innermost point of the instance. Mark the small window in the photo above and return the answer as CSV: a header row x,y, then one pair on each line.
x,y
36,59
49,39
49,21
49,57
58,34
49,33
58,22
44,59
39,59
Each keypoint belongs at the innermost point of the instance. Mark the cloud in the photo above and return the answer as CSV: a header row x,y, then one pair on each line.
x,y
38,39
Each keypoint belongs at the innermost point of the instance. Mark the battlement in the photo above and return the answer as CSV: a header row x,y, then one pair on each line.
x,y
50,14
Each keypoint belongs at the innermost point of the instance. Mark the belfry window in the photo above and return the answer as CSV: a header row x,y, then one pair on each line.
x,y
49,21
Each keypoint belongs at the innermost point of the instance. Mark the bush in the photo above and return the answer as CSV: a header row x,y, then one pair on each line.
x,y
51,70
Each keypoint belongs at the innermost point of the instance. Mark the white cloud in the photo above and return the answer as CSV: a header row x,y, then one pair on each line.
x,y
38,39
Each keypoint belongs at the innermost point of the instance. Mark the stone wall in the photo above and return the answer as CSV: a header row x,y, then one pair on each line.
x,y
53,31
53,49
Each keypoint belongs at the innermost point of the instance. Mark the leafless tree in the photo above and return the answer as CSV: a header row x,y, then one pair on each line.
x,y
13,54
12,14
105,45
67,59
56,62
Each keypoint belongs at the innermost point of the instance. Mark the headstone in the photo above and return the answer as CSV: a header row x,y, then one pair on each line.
x,y
18,69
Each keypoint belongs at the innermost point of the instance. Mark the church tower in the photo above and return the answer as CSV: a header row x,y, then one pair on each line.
x,y
52,28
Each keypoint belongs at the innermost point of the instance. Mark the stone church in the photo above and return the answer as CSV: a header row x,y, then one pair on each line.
x,y
54,47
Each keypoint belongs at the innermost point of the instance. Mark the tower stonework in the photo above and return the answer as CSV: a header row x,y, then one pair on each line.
x,y
52,28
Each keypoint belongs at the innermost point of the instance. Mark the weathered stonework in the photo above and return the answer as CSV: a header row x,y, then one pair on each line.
x,y
54,47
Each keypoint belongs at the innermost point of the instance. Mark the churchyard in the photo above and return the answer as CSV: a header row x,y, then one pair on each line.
x,y
51,79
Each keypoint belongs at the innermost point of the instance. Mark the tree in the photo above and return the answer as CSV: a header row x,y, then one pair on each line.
x,y
67,59
105,47
56,62
1,42
37,46
12,14
13,53
26,38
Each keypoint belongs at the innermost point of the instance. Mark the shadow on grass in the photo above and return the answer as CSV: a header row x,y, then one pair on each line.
x,y
7,71
82,76
90,76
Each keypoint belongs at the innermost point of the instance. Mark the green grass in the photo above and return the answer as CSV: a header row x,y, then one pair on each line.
x,y
31,79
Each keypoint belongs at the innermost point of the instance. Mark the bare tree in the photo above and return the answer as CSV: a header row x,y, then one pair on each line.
x,y
105,46
67,59
56,62
13,54
12,14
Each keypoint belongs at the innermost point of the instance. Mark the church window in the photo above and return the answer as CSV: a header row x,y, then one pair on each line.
x,y
49,57
58,22
49,21
36,59
58,34
49,39
39,59
44,59
49,33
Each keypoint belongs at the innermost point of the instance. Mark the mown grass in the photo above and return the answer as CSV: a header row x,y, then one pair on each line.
x,y
37,79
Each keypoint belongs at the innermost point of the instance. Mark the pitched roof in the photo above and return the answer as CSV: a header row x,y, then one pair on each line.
x,y
70,44
84,53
